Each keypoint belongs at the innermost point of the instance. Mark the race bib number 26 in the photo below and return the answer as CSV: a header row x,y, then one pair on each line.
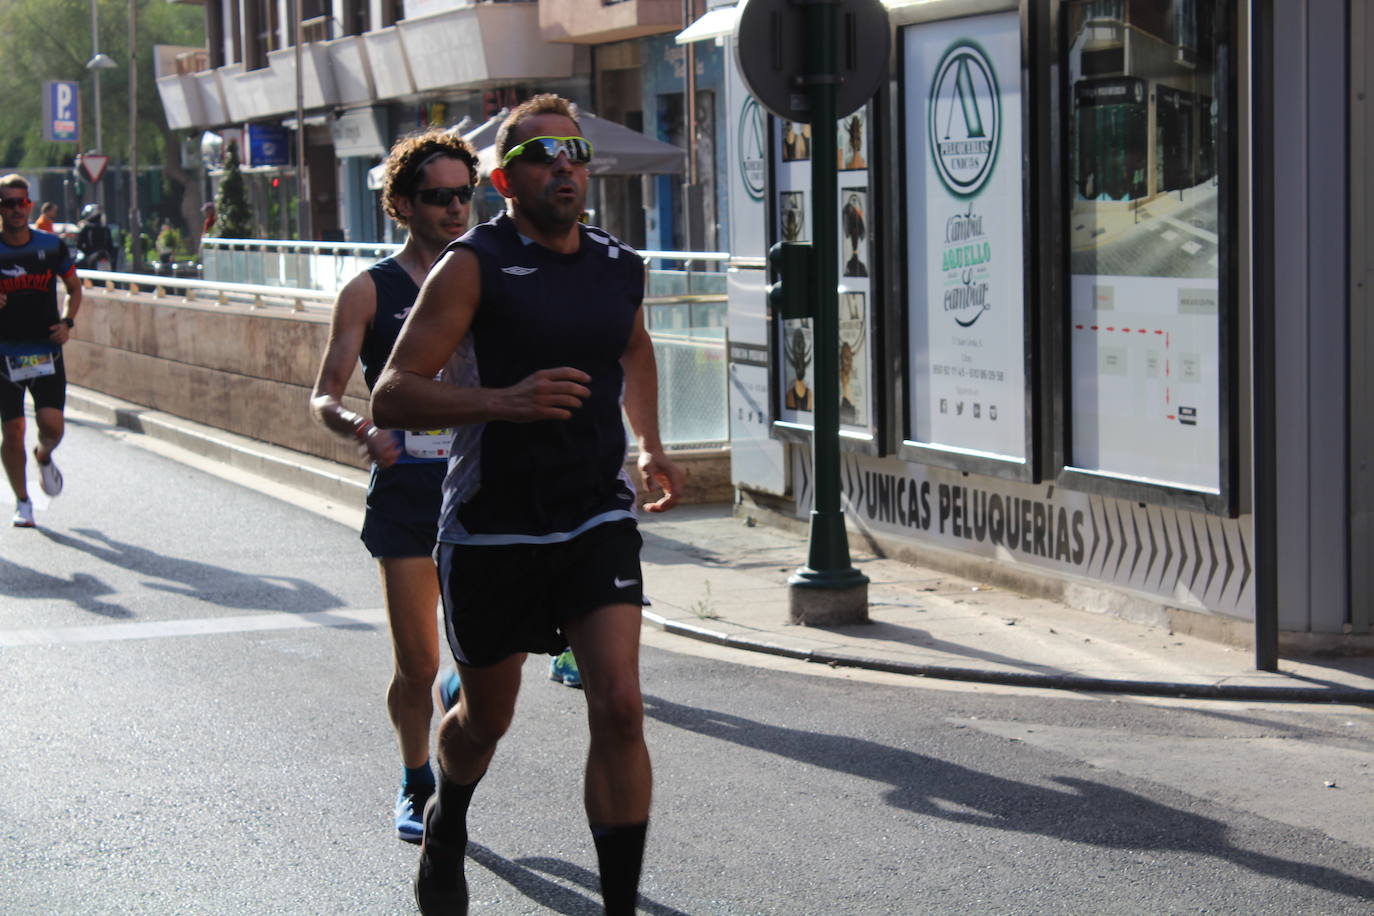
x,y
31,365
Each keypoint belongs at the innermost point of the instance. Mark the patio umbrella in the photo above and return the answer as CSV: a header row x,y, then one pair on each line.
x,y
618,150
484,134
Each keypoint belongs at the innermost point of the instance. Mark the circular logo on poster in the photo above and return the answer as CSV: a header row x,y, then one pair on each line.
x,y
965,120
753,155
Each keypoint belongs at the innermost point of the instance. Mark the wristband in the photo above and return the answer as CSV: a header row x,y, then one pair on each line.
x,y
69,322
362,429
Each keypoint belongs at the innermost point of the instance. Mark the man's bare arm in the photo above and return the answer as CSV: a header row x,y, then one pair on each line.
x,y
74,290
354,311
641,408
407,394
60,333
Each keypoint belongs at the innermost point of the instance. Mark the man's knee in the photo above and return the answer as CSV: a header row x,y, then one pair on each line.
x,y
488,702
616,711
416,673
485,723
51,424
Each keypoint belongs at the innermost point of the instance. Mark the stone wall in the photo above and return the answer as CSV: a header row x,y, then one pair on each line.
x,y
244,369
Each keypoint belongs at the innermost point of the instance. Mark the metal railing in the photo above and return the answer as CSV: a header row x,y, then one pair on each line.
x,y
327,266
253,295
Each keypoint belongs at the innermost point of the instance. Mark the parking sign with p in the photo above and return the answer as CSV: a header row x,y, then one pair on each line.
x,y
61,111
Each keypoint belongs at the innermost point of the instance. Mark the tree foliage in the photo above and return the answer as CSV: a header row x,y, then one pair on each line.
x,y
233,215
51,40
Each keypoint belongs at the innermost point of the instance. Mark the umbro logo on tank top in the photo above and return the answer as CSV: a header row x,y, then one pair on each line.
x,y
519,271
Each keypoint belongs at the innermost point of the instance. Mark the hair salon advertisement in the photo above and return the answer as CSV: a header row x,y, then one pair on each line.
x,y
855,212
965,259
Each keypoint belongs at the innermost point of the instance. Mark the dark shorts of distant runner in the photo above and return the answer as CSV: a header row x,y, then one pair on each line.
x,y
47,391
509,598
402,518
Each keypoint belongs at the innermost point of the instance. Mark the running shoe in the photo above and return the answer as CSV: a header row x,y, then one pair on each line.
x,y
23,514
409,804
564,668
446,690
49,476
441,889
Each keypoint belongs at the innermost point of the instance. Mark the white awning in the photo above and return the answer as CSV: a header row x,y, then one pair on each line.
x,y
376,176
715,24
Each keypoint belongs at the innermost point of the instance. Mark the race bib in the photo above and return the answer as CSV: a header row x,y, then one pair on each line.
x,y
430,444
30,365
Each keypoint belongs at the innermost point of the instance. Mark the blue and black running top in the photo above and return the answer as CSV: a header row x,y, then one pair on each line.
x,y
548,481
29,275
396,293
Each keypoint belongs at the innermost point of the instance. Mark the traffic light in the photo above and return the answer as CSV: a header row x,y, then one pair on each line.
x,y
790,293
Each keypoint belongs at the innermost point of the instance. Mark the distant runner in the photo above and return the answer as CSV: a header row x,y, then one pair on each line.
x,y
32,332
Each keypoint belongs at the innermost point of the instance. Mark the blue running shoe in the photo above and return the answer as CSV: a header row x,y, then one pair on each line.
x,y
410,805
447,689
564,668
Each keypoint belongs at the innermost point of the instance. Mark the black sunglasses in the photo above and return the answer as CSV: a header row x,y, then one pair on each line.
x,y
11,203
441,197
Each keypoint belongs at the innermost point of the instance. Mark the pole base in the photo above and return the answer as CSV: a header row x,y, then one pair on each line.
x,y
827,598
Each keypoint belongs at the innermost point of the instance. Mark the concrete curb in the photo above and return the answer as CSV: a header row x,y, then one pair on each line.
x,y
1180,689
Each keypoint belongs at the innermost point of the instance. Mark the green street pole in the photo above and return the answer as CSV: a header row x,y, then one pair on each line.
x,y
829,589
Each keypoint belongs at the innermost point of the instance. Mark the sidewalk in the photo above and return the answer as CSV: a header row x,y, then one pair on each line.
x,y
717,578
713,577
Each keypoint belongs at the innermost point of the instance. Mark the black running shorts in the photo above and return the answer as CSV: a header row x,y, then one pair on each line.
x,y
47,391
499,600
402,517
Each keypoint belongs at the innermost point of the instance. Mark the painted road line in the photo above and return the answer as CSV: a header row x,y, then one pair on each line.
x,y
1192,230
199,626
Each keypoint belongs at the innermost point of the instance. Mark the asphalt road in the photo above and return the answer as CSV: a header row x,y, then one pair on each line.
x,y
193,672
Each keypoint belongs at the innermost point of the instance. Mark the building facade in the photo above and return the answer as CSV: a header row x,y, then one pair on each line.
x,y
368,71
1102,308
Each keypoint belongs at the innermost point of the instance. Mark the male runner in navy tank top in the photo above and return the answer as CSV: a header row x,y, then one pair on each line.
x,y
537,321
427,188
32,334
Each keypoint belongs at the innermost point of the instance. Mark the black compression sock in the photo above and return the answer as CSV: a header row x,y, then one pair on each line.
x,y
448,822
620,853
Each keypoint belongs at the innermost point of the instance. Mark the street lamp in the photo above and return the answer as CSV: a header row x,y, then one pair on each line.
x,y
97,63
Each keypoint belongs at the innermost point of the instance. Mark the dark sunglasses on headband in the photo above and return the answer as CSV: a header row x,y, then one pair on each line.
x,y
10,203
543,150
442,197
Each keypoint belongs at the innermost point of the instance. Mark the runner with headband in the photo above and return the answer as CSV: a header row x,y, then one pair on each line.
x,y
428,189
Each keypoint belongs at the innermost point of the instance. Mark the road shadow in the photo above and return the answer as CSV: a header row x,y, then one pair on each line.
x,y
217,585
524,875
82,589
1084,811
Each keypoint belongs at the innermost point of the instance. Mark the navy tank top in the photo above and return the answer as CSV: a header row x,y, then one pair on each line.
x,y
396,293
548,481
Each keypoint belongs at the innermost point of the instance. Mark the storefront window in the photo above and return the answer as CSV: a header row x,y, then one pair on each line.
x,y
1147,308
